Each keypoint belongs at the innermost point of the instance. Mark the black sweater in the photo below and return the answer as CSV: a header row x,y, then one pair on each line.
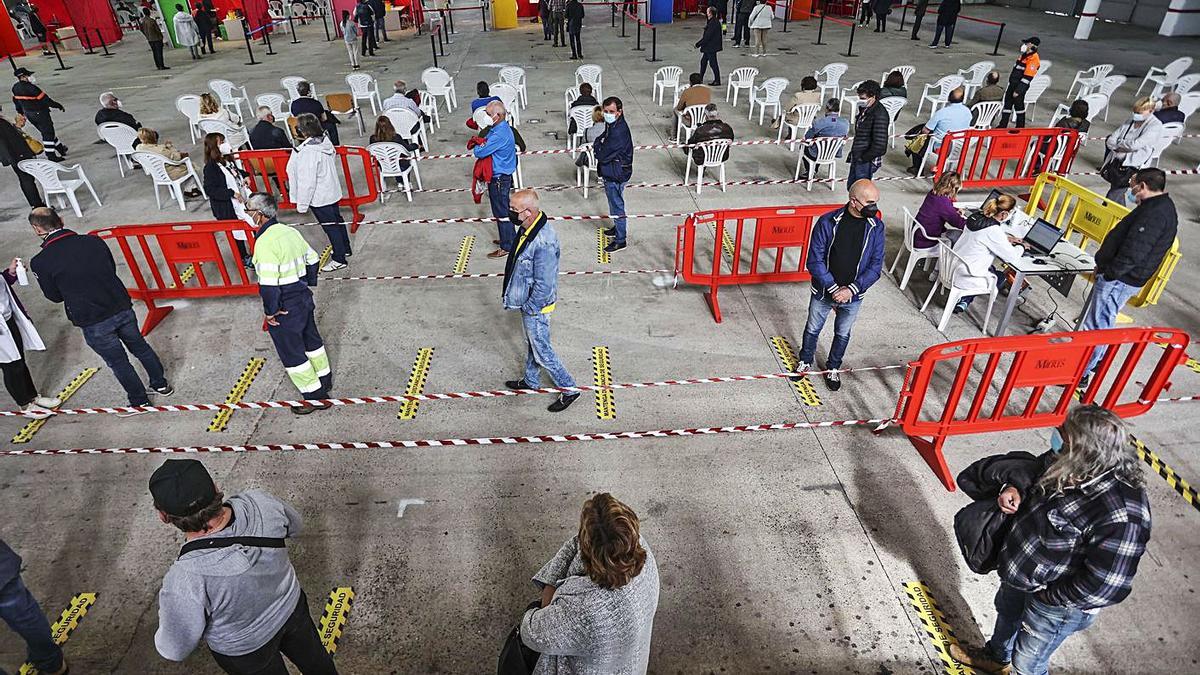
x,y
78,271
710,42
220,197
1133,250
870,134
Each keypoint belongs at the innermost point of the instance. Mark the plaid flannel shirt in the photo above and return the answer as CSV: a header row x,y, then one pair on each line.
x,y
1081,548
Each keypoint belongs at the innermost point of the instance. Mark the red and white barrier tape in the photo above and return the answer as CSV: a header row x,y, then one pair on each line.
x,y
657,146
490,275
734,183
476,219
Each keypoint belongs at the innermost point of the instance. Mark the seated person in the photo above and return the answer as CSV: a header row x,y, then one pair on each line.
x,y
593,132
893,85
110,111
937,212
711,129
1170,112
982,241
386,133
265,135
211,109
306,104
697,93
954,116
585,98
400,100
1076,119
990,91
831,125
149,143
483,96
809,94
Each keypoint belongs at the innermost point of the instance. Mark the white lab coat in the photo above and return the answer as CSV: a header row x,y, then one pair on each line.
x,y
978,248
187,33
29,334
1134,146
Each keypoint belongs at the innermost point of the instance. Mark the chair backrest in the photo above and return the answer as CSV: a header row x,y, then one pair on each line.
x,y
1044,66
275,102
946,85
588,72
743,76
428,104
805,114
985,113
975,74
290,83
154,165
1189,102
361,84
506,93
44,171
403,120
1110,84
1097,72
582,114
950,264
1186,83
695,113
831,74
714,151
910,229
120,136
826,148
340,102
1172,130
1169,133
571,94
668,74
851,92
388,155
1037,86
893,104
512,75
189,106
905,71
223,89
236,136
1096,104
773,88
435,80
1177,67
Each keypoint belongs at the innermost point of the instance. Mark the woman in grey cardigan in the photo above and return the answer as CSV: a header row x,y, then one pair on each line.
x,y
599,595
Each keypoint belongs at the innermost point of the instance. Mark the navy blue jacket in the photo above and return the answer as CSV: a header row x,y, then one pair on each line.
x,y
614,152
10,564
870,262
78,271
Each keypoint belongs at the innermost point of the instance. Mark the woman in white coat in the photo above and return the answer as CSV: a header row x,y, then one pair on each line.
x,y
760,23
17,334
983,240
1132,146
187,33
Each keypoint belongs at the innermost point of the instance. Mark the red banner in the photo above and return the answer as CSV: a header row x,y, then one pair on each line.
x,y
90,16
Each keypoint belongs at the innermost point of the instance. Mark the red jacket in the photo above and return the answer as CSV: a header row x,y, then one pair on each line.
x,y
481,174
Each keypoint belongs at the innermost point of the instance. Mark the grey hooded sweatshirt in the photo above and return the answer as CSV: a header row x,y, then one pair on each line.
x,y
236,598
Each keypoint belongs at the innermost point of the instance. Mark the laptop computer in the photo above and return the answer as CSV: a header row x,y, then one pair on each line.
x,y
1042,237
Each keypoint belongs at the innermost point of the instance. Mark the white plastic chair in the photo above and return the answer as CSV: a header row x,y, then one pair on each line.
x,y
1188,103
825,149
1108,87
1170,134
766,96
829,78
951,267
429,106
1187,83
582,116
511,98
226,92
156,165
593,74
1088,79
404,121
849,95
290,84
1164,78
985,113
188,105
973,76
694,113
915,255
666,78
938,93
1037,86
893,105
805,115
363,85
46,173
906,71
235,136
1043,66
739,79
121,137
514,77
569,96
714,158
389,156
439,83
276,102
583,174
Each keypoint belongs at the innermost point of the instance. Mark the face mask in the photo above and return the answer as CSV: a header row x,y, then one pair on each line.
x,y
1024,48
610,117
32,80
1140,117
870,210
225,148
1130,196
514,217
1056,441
862,102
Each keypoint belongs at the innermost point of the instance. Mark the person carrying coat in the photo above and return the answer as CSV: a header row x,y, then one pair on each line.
x,y
187,33
575,27
709,44
154,36
13,149
17,333
35,105
760,23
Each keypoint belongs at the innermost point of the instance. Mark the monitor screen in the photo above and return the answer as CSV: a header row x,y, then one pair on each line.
x,y
992,195
1043,236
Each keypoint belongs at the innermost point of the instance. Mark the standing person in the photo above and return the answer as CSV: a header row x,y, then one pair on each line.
x,y
881,8
154,36
187,33
1077,536
366,25
947,19
709,44
21,612
350,36
575,27
558,20
17,333
864,12
501,147
35,105
544,13
741,21
313,182
380,11
1130,147
760,23
233,584
870,134
918,15
78,270
1131,252
845,257
306,103
39,30
225,185
204,26
531,286
614,163
13,148
605,575
286,267
1024,70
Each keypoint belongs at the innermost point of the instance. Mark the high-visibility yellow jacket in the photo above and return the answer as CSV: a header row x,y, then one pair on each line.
x,y
284,263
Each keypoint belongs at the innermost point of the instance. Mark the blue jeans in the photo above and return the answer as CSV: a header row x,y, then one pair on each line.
x,y
21,612
858,171
616,207
937,33
331,221
819,307
110,338
541,354
1028,631
498,193
1107,299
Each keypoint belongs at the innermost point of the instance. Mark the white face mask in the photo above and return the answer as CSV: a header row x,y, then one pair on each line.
x,y
1140,117
32,80
225,148
1024,48
610,117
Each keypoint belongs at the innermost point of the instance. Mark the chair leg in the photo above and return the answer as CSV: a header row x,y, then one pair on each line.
x,y
74,203
157,198
177,190
988,317
812,170
908,270
121,166
407,188
933,289
892,269
832,174
416,169
722,176
951,301
699,178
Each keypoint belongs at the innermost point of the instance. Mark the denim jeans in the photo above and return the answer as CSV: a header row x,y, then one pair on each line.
x,y
331,221
1107,299
858,171
616,207
110,338
819,307
1028,631
21,612
499,189
541,354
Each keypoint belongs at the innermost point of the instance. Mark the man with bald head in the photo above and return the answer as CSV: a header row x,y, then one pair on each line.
x,y
501,147
531,286
845,257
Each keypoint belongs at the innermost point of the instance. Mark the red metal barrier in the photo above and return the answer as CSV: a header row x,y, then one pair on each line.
x,y
778,233
1016,375
267,171
991,158
149,249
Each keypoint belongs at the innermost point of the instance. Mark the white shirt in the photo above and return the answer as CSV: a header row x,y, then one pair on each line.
x,y
401,102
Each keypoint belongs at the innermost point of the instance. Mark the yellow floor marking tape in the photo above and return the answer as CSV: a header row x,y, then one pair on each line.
x,y
464,254
601,242
333,619
221,419
66,624
940,633
606,408
803,387
186,276
416,382
727,243
325,255
1161,468
28,431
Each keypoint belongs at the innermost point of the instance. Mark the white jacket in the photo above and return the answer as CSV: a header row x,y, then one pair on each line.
x,y
978,248
1135,146
187,33
313,174
29,334
761,16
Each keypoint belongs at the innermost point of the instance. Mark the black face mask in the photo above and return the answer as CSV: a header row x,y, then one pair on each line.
x,y
514,217
870,210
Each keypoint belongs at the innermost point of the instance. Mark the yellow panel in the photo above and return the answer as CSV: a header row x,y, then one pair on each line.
x,y
240,387
66,624
802,386
934,622
28,431
504,14
606,408
416,382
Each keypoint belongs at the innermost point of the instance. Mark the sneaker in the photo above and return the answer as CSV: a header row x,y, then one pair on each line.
x,y
165,390
564,401
48,402
37,412
310,407
614,247
517,384
979,659
933,46
801,368
833,380
714,83
960,307
1085,383
333,266
610,232
132,413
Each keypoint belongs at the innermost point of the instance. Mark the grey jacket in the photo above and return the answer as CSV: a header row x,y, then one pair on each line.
x,y
236,598
589,630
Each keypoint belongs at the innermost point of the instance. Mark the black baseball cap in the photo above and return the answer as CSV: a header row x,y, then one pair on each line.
x,y
21,72
182,487
1035,41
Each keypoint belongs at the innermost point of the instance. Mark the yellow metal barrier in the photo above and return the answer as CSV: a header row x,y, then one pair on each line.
x,y
1091,216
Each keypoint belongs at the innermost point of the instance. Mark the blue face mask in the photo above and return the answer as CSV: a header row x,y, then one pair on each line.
x,y
610,117
1056,441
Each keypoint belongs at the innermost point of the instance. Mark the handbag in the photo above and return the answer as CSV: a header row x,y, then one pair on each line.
x,y
35,146
1116,173
515,657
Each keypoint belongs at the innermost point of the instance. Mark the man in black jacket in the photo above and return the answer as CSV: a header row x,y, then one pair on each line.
x,y
35,105
1131,252
204,24
741,22
870,134
13,149
110,111
709,44
265,135
574,27
380,11
306,104
78,271
711,130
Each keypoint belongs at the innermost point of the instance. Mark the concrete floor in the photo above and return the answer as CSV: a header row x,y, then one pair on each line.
x,y
780,551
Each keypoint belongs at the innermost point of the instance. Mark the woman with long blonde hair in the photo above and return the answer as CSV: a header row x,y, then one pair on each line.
x,y
211,109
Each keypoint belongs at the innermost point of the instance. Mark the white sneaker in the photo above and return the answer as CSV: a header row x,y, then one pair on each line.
x,y
48,402
37,412
801,368
132,413
332,266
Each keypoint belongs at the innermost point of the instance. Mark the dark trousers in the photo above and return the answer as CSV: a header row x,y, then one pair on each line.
x,y
339,236
157,48
880,22
498,195
918,16
547,27
110,338
1014,102
206,40
859,171
707,58
558,23
741,29
369,43
864,14
298,640
20,611
41,120
17,379
937,33
381,29
576,45
28,187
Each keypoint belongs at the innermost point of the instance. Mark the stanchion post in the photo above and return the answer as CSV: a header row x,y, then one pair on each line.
x,y
249,49
266,29
903,16
292,29
433,46
653,44
999,36
12,63
483,13
446,31
325,23
103,44
639,48
613,7
450,18
441,46
787,12
623,15
86,42
850,45
821,23
61,65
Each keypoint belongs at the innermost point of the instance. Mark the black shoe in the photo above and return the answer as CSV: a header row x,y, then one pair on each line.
x,y
833,380
714,83
310,407
610,232
800,369
517,384
564,401
167,390
614,247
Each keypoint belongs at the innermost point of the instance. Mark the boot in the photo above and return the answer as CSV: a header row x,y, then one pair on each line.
x,y
979,659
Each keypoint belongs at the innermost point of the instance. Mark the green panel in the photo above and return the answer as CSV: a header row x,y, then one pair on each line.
x,y
168,12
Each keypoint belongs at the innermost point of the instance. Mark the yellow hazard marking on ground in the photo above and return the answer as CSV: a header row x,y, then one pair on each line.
x,y
727,243
333,619
66,624
803,387
464,254
606,408
1161,468
601,242
416,382
186,276
325,255
221,419
940,633
28,431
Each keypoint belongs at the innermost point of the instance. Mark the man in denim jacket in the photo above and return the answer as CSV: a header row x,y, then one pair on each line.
x,y
531,286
